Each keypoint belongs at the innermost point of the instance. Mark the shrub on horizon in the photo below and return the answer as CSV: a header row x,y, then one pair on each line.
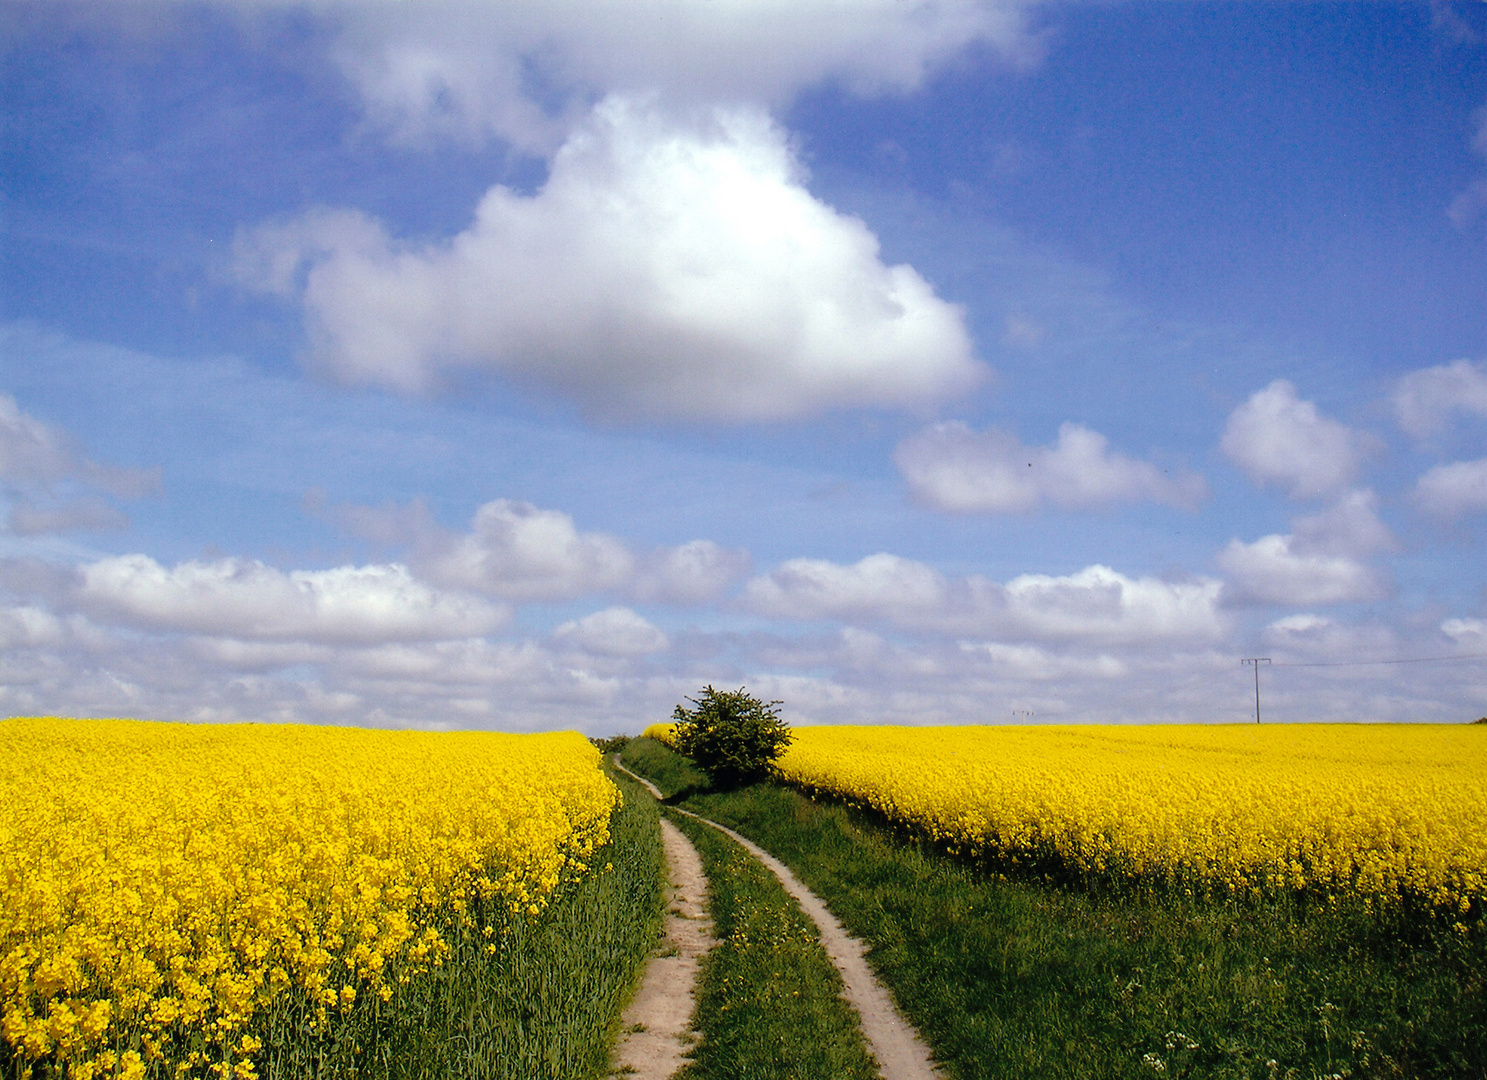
x,y
732,736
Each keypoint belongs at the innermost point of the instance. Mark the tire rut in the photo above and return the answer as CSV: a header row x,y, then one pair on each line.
x,y
900,1052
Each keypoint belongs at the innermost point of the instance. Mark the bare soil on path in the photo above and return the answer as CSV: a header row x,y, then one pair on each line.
x,y
900,1052
657,1024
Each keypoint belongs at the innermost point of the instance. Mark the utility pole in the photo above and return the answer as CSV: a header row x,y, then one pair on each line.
x,y
1257,661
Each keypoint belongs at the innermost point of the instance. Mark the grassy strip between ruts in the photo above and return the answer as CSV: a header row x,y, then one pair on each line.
x,y
1027,978
769,1005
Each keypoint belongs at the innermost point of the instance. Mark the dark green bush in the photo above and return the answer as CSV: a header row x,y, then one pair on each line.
x,y
731,735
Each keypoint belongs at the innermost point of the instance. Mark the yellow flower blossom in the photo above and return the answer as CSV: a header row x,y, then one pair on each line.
x,y
165,880
1391,812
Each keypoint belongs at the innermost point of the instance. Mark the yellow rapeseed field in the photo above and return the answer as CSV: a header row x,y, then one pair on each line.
x,y
1389,811
162,884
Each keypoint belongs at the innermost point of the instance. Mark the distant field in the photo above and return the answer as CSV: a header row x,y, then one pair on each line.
x,y
208,900
1393,813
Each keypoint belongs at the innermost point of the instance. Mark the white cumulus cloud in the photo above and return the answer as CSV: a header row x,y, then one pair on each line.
x,y
1094,604
241,598
1425,400
520,70
1272,571
27,625
951,467
1101,604
877,586
1465,632
517,551
1454,489
1321,561
672,266
1277,438
616,631
696,572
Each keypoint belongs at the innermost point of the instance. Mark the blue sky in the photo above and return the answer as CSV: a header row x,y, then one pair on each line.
x,y
531,365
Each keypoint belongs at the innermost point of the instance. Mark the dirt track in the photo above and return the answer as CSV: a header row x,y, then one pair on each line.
x,y
657,1024
901,1054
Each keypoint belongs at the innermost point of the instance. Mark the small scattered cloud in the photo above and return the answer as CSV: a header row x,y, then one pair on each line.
x,y
1277,438
878,586
1309,637
951,467
1036,664
52,486
616,632
28,626
1469,203
29,519
516,551
240,598
1453,21
1453,490
1272,571
1466,632
34,454
696,572
1426,401
671,267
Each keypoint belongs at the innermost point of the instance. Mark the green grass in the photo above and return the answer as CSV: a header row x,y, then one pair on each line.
x,y
1030,979
546,1004
769,1004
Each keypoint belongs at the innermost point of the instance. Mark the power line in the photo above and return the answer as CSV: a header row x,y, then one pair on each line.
x,y
1368,663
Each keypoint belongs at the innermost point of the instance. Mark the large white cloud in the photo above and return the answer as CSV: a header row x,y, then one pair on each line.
x,y
672,266
1277,438
1095,604
951,467
1454,489
238,598
1425,400
521,70
1322,561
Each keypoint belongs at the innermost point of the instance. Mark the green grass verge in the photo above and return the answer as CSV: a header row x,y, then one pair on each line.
x,y
769,1004
547,1002
1024,978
